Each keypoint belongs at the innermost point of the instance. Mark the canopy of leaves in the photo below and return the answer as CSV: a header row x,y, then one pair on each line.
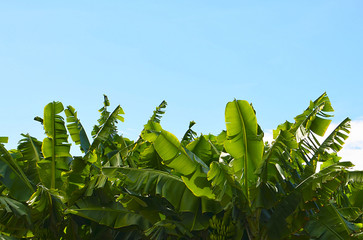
x,y
225,186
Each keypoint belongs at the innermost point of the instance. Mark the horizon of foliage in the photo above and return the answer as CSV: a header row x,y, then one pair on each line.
x,y
227,186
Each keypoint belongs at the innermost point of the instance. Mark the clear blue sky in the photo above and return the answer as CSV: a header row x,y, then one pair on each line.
x,y
197,55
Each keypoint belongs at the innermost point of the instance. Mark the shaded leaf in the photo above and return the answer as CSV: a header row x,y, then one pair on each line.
x,y
330,224
166,185
14,217
30,148
111,214
13,177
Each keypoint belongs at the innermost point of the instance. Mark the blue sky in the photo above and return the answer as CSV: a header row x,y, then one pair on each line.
x,y
197,55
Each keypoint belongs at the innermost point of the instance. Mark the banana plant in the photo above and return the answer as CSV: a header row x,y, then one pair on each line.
x,y
154,147
275,189
40,180
262,185
230,186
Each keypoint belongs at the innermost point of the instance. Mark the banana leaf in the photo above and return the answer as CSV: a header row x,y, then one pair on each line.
x,y
30,148
13,177
330,224
110,214
244,142
15,218
55,147
76,130
172,188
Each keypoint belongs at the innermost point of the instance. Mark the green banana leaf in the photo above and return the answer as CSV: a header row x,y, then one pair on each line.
x,y
355,195
15,217
105,114
149,158
318,187
158,112
110,214
46,206
283,143
224,183
13,177
76,130
152,127
171,187
189,135
330,224
55,147
164,229
244,141
193,170
334,142
315,118
106,129
76,179
203,149
322,184
30,148
175,156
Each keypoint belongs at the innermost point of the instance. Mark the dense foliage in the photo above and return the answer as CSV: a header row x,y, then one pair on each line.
x,y
230,186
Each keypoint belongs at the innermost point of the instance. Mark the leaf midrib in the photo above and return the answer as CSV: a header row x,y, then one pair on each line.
x,y
244,135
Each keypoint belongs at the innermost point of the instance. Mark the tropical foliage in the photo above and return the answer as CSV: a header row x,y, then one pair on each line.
x,y
229,186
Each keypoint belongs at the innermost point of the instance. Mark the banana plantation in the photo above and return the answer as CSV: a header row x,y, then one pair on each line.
x,y
233,185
